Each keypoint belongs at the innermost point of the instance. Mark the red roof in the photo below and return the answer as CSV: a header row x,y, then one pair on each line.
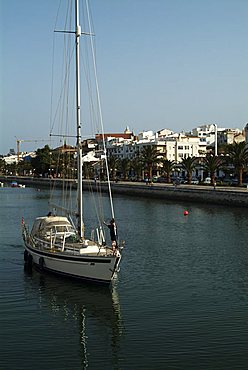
x,y
99,137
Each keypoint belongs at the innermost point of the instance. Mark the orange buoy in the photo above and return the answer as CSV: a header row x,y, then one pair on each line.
x,y
186,213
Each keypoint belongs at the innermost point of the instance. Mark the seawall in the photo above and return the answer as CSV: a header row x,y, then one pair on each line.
x,y
225,196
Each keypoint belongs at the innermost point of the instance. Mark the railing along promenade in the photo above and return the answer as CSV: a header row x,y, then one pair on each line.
x,y
207,194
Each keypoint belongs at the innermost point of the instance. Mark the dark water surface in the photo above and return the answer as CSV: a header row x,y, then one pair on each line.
x,y
180,301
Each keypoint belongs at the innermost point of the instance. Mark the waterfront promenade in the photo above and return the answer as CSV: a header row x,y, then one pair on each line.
x,y
222,195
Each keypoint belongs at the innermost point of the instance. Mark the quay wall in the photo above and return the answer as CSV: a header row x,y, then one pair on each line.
x,y
225,196
206,195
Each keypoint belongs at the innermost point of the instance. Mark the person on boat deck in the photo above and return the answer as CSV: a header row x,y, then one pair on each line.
x,y
113,232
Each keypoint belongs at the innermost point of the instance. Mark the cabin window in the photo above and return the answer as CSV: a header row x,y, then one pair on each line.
x,y
61,229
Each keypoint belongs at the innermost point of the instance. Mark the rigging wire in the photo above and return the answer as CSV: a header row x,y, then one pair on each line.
x,y
61,112
63,99
100,110
53,57
93,109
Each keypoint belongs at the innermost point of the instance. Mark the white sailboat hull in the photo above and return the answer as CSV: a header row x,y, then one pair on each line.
x,y
98,269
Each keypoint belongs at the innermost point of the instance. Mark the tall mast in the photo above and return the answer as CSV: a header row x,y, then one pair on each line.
x,y
79,149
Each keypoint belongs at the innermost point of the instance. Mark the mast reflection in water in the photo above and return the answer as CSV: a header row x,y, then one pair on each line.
x,y
91,315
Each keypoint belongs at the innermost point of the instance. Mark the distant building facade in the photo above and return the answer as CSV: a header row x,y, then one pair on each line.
x,y
171,145
246,133
230,136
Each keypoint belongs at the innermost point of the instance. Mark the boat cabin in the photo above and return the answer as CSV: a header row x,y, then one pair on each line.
x,y
52,226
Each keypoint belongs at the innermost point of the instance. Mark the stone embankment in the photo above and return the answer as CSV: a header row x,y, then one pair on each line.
x,y
225,196
237,197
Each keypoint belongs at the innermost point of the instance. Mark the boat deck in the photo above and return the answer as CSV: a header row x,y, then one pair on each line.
x,y
85,248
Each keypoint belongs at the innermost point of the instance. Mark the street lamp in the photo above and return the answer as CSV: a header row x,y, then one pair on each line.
x,y
215,140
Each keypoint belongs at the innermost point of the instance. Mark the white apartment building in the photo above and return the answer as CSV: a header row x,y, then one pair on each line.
x,y
172,146
207,133
121,148
11,159
179,146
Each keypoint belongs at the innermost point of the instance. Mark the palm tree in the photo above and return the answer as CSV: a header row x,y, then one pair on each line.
x,y
211,164
124,167
168,168
149,155
113,164
238,156
188,164
136,165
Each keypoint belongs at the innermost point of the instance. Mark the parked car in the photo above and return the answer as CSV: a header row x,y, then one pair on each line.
x,y
177,180
194,181
219,180
132,178
207,180
161,179
231,182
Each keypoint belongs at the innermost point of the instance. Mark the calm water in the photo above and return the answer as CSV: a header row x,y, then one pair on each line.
x,y
180,301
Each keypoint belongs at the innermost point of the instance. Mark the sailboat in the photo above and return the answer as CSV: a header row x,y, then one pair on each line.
x,y
55,243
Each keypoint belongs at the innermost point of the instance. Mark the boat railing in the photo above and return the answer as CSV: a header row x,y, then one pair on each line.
x,y
63,244
27,236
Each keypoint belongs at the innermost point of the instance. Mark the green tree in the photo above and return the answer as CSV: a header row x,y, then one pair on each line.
x,y
149,156
211,164
11,169
2,165
24,167
237,155
41,163
188,164
88,170
167,168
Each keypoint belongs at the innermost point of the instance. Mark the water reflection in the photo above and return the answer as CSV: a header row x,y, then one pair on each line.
x,y
93,311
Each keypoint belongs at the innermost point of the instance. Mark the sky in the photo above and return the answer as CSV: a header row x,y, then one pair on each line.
x,y
173,64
